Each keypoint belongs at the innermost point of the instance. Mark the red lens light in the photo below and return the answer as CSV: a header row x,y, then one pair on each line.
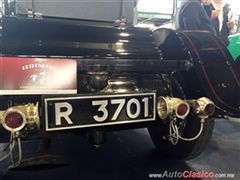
x,y
209,109
182,109
14,120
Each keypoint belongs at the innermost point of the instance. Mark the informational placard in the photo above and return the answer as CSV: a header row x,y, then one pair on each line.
x,y
37,76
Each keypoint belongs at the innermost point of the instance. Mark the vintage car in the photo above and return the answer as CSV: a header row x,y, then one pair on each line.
x,y
234,46
61,75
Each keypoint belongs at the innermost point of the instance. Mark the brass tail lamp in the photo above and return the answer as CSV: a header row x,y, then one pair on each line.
x,y
167,106
16,118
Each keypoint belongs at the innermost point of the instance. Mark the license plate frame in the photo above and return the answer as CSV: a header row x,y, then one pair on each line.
x,y
66,108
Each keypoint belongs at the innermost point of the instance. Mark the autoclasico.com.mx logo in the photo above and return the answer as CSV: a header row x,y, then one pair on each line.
x,y
187,174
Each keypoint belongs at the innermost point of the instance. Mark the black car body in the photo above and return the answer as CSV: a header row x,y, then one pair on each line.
x,y
124,77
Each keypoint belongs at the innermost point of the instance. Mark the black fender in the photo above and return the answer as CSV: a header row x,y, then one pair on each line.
x,y
214,74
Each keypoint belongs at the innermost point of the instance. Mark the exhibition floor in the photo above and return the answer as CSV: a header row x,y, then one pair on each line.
x,y
130,155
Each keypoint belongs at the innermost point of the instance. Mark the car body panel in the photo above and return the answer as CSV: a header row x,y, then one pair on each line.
x,y
210,58
124,60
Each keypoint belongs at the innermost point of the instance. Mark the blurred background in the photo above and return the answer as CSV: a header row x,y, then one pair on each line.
x,y
153,13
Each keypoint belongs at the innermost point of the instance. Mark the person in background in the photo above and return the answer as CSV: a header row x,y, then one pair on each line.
x,y
222,18
191,15
208,6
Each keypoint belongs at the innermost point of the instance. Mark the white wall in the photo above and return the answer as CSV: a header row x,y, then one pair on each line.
x,y
235,6
156,6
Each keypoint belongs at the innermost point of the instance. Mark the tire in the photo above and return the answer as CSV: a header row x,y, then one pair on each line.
x,y
183,150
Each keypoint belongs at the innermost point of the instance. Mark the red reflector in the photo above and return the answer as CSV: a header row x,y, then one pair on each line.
x,y
209,109
14,120
182,109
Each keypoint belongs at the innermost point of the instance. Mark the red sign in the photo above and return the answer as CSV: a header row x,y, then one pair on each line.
x,y
37,76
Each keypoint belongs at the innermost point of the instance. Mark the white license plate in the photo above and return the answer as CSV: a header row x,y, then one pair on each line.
x,y
92,111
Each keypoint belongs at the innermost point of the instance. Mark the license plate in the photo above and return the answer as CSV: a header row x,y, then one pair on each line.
x,y
92,111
